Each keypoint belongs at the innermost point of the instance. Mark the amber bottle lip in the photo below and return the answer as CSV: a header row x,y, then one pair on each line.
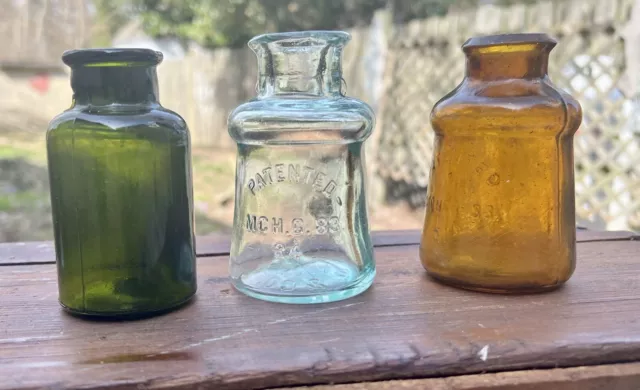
x,y
112,57
508,39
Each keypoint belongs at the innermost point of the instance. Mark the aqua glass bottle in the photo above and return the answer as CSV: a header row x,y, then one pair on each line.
x,y
301,233
121,192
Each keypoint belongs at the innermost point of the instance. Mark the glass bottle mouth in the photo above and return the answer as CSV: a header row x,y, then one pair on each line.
x,y
508,56
523,39
111,57
302,62
301,38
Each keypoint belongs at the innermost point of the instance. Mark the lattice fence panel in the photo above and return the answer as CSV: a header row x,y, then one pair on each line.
x,y
426,63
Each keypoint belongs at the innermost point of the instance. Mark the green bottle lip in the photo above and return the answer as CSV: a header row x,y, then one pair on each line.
x,y
111,57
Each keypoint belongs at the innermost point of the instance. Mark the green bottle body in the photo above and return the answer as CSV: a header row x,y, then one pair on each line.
x,y
122,204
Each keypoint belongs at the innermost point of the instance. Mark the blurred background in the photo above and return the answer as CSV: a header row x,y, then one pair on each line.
x,y
404,56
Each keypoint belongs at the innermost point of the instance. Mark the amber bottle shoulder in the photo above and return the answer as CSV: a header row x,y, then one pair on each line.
x,y
508,103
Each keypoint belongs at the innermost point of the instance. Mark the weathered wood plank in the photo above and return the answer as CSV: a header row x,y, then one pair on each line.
x,y
593,236
213,245
34,252
405,326
608,377
43,252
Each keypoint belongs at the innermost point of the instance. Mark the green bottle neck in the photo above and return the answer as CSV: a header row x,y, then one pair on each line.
x,y
114,85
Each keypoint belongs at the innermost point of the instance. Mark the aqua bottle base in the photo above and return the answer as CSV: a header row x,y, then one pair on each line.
x,y
305,281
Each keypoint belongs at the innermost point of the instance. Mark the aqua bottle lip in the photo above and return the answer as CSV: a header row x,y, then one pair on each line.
x,y
112,57
321,37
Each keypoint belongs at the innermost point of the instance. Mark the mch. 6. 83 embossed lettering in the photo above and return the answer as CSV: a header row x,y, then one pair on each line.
x,y
301,233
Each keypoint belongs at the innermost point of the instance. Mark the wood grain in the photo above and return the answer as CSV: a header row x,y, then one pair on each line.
x,y
405,326
607,377
594,235
43,252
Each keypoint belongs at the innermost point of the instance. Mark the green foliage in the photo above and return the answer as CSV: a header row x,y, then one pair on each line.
x,y
214,23
110,16
231,23
403,10
406,10
511,2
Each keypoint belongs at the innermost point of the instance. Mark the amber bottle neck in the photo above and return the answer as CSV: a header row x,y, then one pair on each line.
x,y
503,62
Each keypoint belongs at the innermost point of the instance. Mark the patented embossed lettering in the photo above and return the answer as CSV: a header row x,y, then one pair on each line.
x,y
291,173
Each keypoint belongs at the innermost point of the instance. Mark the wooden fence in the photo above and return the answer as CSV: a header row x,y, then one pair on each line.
x,y
425,62
403,70
34,33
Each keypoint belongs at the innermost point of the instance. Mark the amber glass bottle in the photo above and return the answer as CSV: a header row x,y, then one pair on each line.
x,y
500,204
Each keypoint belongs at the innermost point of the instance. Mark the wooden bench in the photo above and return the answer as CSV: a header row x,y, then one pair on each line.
x,y
405,332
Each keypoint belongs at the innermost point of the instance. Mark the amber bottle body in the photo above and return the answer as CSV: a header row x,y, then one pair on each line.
x,y
500,204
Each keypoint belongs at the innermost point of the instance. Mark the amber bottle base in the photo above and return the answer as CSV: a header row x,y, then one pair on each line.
x,y
505,290
126,315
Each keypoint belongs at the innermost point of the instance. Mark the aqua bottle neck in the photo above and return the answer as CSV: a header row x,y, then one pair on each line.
x,y
312,70
114,85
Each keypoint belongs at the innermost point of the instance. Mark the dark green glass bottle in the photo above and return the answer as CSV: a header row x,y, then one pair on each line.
x,y
121,189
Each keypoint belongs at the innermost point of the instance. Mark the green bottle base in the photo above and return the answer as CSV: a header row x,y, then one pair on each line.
x,y
132,314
